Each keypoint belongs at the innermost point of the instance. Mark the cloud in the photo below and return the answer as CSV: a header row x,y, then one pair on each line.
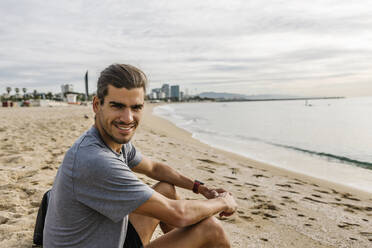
x,y
249,45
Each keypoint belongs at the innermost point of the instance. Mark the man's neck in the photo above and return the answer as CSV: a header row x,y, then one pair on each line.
x,y
108,141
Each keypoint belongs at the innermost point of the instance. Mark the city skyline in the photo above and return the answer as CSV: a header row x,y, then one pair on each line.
x,y
317,48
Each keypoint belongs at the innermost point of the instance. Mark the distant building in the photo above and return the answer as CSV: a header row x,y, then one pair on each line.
x,y
68,93
175,93
67,88
155,93
165,89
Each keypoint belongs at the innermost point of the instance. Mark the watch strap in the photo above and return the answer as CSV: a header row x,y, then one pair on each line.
x,y
195,188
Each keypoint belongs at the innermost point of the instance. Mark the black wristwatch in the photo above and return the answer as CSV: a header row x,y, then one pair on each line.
x,y
195,188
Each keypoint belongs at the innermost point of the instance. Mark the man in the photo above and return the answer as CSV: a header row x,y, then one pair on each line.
x,y
95,191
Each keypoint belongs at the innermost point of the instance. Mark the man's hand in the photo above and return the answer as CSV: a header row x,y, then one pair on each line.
x,y
231,204
210,193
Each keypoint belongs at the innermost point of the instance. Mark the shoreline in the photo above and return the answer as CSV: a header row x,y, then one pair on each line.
x,y
266,165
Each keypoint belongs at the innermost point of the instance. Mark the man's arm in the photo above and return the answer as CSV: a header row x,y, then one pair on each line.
x,y
182,213
163,172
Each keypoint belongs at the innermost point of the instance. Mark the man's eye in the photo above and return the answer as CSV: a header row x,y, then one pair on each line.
x,y
116,106
137,108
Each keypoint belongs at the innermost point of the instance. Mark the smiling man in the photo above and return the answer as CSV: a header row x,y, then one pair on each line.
x,y
97,200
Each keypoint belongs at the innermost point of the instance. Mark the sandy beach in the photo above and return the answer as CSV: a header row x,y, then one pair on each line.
x,y
277,208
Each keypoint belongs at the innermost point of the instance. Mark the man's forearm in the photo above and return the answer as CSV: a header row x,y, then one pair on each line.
x,y
193,211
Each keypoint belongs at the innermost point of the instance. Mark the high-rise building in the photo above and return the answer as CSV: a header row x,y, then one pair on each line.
x,y
155,93
175,93
67,88
165,89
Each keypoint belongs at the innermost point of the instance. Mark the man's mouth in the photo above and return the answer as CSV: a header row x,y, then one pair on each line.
x,y
125,128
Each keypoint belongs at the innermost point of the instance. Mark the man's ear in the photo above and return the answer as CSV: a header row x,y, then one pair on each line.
x,y
96,104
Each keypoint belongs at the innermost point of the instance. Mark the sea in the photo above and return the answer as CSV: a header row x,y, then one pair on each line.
x,y
330,139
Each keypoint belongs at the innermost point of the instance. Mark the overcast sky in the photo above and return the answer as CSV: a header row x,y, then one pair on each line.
x,y
296,47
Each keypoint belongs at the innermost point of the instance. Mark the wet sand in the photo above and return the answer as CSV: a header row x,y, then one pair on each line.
x,y
277,208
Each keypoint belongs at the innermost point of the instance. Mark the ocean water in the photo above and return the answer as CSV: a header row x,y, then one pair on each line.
x,y
327,139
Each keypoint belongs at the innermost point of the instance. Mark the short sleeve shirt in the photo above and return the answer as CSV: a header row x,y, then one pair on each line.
x,y
92,195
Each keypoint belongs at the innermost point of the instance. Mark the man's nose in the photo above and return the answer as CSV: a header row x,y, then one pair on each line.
x,y
126,116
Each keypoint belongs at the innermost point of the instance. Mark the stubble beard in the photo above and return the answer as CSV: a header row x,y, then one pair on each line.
x,y
111,136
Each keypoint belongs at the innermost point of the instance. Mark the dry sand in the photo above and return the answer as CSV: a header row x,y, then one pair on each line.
x,y
277,208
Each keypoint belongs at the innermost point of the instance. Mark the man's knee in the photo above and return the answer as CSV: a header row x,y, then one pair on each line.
x,y
166,189
213,231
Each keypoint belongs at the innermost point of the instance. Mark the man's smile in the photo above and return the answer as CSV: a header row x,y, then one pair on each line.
x,y
124,127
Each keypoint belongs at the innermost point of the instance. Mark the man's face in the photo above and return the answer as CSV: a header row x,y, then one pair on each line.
x,y
118,117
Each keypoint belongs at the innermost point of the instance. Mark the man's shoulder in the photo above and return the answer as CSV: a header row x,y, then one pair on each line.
x,y
87,147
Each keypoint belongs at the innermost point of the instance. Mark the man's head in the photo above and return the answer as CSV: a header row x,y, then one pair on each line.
x,y
119,103
120,76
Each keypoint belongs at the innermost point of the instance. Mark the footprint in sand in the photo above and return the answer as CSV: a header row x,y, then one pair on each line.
x,y
209,161
346,225
208,169
260,175
269,216
314,200
293,192
246,218
321,191
232,178
318,196
284,185
349,197
234,171
3,220
251,184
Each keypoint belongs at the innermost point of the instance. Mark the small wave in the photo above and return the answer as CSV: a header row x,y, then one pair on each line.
x,y
329,156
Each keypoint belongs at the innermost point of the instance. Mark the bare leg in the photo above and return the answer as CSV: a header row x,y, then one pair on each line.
x,y
207,233
144,225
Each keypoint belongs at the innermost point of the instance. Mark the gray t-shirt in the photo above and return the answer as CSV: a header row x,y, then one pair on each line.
x,y
92,195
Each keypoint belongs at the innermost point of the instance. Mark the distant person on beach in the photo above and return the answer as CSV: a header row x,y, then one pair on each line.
x,y
97,200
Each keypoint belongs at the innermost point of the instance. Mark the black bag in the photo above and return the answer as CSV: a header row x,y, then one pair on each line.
x,y
40,219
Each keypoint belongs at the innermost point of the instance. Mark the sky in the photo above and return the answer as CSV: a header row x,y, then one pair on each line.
x,y
291,47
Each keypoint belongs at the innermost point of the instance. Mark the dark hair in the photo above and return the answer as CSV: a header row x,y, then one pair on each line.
x,y
120,76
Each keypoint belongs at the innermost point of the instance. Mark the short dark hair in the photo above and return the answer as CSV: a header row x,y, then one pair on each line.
x,y
120,76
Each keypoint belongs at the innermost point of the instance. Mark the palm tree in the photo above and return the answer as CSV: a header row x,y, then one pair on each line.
x,y
49,95
8,89
35,94
24,92
17,93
